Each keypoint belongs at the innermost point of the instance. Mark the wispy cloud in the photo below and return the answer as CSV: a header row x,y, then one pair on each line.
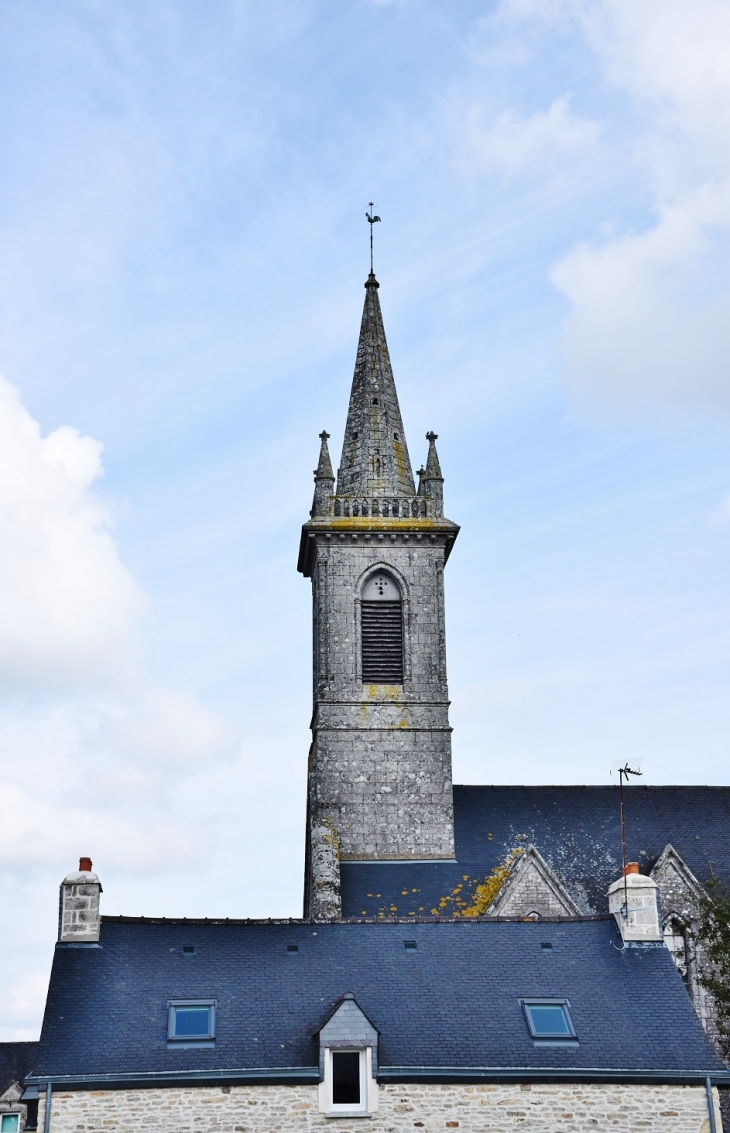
x,y
649,328
514,144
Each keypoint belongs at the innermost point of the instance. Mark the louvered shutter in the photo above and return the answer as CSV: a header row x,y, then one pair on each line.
x,y
382,642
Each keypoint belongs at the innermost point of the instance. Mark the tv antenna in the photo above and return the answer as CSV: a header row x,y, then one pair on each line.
x,y
624,773
372,219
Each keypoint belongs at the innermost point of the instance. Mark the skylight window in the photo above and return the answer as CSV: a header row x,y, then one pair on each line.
x,y
548,1018
191,1020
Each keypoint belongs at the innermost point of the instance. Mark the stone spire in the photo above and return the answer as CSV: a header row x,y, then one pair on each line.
x,y
431,481
324,479
375,459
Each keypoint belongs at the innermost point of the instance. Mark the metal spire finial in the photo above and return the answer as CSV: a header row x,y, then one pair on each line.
x,y
372,219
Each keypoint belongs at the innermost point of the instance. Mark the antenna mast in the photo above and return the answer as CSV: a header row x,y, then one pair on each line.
x,y
623,773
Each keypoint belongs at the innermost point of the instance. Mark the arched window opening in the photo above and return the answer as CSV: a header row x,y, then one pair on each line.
x,y
675,939
382,631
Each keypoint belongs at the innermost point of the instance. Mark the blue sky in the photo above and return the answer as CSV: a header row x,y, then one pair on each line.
x,y
182,252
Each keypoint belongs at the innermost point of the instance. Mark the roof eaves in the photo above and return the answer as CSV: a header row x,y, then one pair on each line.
x,y
475,1074
256,1076
303,1075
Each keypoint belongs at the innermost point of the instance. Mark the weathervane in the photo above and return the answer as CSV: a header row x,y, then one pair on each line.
x,y
371,221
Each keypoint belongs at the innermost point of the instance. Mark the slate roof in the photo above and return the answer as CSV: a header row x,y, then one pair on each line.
x,y
452,1003
576,829
16,1060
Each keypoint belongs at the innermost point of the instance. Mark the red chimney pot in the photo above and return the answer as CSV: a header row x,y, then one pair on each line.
x,y
632,867
85,865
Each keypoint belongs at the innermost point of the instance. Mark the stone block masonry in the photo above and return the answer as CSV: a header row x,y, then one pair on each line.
x,y
380,761
380,766
539,1108
78,906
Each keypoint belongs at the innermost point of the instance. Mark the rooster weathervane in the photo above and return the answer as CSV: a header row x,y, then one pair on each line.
x,y
372,219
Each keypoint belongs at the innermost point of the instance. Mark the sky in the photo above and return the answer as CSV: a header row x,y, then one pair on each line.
x,y
183,245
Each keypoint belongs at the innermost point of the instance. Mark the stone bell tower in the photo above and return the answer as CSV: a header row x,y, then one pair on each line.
x,y
375,549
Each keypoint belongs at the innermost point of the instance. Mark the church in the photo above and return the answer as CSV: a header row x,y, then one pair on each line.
x,y
469,957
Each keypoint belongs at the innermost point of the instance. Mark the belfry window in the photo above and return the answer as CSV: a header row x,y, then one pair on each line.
x,y
382,631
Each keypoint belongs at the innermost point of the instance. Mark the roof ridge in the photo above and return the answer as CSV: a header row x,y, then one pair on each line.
x,y
305,923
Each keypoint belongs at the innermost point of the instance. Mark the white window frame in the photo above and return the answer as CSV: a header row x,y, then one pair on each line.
x,y
368,1086
12,1113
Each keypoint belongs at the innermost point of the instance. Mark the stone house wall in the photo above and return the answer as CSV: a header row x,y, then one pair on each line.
x,y
541,1108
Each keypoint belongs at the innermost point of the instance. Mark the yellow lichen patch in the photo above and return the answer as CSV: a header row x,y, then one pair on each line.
x,y
400,460
483,894
383,692
377,523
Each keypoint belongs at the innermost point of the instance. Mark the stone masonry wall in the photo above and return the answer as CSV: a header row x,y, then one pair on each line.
x,y
380,768
547,1108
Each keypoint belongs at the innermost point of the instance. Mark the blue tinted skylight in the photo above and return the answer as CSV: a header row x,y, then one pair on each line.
x,y
192,1020
548,1018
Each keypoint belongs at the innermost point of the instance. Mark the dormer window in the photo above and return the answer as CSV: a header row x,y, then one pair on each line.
x,y
382,630
348,1062
348,1088
347,1079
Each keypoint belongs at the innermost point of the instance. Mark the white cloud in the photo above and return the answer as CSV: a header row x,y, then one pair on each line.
x,y
96,757
649,326
26,998
650,309
69,609
514,143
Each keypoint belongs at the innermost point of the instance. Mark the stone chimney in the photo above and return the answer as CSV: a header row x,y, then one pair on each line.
x,y
634,902
79,920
